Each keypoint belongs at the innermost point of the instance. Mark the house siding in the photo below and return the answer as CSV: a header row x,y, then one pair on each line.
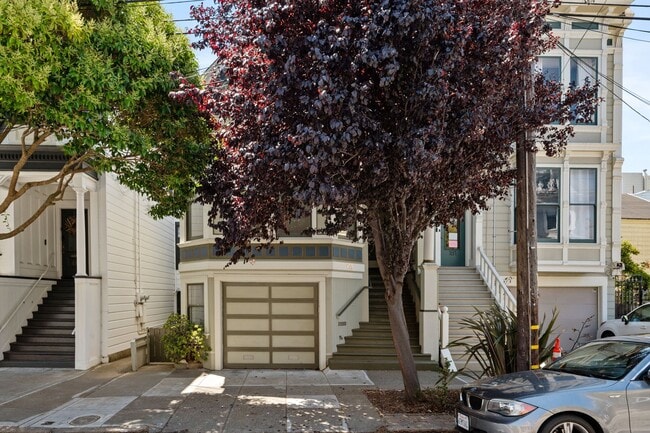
x,y
140,262
637,232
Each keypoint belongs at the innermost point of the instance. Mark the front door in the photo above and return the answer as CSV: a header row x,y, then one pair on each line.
x,y
453,243
69,242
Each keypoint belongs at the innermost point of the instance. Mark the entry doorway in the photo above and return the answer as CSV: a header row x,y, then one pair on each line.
x,y
69,242
453,243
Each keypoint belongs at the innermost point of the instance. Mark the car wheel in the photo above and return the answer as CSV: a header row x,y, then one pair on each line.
x,y
607,334
567,424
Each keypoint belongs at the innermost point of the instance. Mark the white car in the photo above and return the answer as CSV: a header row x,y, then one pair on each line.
x,y
635,322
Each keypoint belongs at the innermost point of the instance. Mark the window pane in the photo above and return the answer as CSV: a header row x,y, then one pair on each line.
x,y
548,223
583,186
195,314
548,185
583,68
550,67
297,227
582,222
195,221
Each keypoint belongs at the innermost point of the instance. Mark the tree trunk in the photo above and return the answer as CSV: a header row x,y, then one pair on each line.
x,y
401,340
393,278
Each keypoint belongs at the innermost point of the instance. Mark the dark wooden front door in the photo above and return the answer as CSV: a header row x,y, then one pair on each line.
x,y
69,242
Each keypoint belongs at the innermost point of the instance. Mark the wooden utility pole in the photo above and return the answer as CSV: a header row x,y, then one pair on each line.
x,y
527,290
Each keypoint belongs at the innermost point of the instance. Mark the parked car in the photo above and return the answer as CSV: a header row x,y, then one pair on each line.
x,y
603,386
636,322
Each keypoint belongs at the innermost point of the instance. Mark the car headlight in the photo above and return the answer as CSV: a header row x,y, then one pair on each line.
x,y
509,407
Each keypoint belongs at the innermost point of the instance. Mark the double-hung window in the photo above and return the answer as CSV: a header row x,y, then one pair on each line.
x,y
195,309
194,222
584,69
582,205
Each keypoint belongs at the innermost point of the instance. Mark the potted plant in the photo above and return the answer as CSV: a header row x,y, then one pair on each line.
x,y
184,342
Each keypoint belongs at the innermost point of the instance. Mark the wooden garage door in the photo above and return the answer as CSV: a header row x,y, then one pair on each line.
x,y
575,305
270,326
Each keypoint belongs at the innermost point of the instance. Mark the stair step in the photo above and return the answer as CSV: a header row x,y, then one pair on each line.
x,y
55,315
51,322
47,330
371,349
43,347
45,338
37,364
379,340
380,362
34,356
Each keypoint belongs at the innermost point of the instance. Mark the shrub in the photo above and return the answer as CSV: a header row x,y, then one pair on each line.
x,y
496,349
184,340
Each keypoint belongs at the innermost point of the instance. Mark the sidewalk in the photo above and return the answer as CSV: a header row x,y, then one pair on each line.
x,y
161,399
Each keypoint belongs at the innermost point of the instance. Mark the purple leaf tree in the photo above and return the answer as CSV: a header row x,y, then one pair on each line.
x,y
387,116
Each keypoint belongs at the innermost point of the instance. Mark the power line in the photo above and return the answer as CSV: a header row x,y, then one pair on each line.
x,y
614,26
582,3
610,90
615,17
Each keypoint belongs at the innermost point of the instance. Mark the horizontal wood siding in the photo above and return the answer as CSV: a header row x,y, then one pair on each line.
x,y
140,261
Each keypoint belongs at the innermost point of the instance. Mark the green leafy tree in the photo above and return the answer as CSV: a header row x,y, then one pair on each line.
x,y
631,267
93,78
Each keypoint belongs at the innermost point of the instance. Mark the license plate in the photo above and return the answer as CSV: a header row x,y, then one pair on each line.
x,y
462,421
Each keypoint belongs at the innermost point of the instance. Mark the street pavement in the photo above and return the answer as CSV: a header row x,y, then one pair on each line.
x,y
159,398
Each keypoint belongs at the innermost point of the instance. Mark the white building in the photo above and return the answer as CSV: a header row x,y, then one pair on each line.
x,y
60,310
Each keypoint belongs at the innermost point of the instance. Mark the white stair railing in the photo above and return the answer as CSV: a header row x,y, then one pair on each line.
x,y
503,296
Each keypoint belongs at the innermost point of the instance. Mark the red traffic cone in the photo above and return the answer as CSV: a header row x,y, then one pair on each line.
x,y
557,350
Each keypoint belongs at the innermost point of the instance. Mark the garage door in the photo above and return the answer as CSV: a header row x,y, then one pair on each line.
x,y
575,305
272,326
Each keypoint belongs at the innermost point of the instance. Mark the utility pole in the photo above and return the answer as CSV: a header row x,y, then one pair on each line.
x,y
527,289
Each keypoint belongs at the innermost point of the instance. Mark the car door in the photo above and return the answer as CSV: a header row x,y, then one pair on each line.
x,y
638,321
638,400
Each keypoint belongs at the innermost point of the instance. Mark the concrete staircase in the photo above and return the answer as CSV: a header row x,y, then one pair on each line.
x,y
463,291
47,340
370,347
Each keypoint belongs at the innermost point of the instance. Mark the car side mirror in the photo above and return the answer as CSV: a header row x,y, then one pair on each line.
x,y
647,376
625,320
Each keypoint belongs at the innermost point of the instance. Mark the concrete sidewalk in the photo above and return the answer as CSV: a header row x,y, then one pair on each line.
x,y
162,399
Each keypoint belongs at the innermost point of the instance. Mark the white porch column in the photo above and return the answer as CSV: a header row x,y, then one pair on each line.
x,y
429,249
478,236
429,322
81,232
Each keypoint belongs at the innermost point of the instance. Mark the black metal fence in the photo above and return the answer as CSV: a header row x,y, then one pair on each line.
x,y
631,291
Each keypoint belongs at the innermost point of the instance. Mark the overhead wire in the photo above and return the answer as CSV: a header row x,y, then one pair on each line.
x,y
595,72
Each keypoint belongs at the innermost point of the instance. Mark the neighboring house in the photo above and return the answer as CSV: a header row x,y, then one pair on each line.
x,y
636,183
90,275
635,225
304,304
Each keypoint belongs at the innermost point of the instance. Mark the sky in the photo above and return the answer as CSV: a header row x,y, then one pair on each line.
x,y
636,79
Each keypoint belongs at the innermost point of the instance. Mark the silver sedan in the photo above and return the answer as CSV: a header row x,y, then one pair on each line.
x,y
601,387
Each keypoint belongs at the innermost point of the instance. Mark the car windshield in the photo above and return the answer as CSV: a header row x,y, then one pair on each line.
x,y
603,359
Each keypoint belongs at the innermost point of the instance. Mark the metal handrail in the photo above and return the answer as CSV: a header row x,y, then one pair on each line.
x,y
29,292
503,296
351,300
